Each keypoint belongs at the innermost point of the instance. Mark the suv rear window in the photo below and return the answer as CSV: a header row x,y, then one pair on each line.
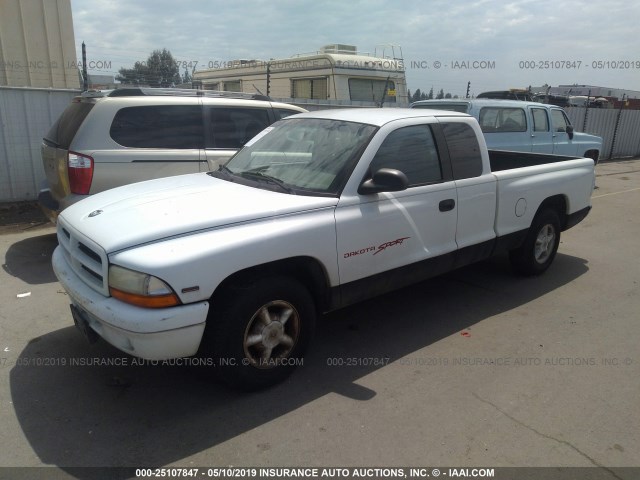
x,y
62,132
285,112
233,127
159,126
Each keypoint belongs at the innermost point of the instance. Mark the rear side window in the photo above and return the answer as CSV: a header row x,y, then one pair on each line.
x,y
540,120
464,150
233,127
159,126
412,150
497,119
62,132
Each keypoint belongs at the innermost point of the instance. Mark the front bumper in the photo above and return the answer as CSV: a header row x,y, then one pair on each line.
x,y
152,334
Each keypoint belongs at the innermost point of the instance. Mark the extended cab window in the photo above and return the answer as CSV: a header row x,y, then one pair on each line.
x,y
559,120
159,126
232,127
411,150
540,120
464,150
499,119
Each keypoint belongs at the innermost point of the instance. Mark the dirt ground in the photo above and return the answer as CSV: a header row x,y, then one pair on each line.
x,y
21,216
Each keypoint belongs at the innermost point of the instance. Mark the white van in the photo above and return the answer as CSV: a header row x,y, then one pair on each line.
x,y
523,126
107,139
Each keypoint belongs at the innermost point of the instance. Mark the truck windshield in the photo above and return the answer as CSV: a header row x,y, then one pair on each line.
x,y
304,156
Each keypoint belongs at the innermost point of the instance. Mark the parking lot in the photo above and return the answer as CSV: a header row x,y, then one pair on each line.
x,y
476,368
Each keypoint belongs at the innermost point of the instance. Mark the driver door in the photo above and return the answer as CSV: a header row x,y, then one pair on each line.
x,y
378,234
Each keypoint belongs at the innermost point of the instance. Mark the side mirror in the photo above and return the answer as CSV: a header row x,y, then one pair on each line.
x,y
570,131
384,180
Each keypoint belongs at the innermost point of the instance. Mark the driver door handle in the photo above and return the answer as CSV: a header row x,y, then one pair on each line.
x,y
447,205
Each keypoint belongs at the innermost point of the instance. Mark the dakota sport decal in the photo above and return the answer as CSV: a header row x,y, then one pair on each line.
x,y
378,249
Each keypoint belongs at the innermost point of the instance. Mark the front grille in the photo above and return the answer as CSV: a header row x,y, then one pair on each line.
x,y
89,253
86,258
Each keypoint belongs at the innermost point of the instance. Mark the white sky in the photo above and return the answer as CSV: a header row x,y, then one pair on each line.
x,y
121,32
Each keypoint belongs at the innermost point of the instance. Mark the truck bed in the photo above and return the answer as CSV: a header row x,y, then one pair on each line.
x,y
506,160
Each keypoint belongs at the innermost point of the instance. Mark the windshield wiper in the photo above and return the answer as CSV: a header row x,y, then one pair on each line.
x,y
221,169
256,174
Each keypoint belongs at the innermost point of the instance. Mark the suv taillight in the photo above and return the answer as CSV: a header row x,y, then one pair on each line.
x,y
80,173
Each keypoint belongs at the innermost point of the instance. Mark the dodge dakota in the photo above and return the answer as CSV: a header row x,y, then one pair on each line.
x,y
318,211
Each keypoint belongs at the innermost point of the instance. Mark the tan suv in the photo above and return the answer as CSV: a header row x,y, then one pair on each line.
x,y
106,139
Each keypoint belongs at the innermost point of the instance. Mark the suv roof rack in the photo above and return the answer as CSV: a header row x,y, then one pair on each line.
x,y
144,91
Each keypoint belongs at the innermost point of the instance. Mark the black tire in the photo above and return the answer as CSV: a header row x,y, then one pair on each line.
x,y
259,331
540,246
593,155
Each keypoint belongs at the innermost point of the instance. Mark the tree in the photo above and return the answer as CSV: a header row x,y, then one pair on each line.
x,y
416,95
440,95
448,95
160,70
430,96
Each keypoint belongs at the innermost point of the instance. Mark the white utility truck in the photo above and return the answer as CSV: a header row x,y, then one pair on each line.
x,y
318,211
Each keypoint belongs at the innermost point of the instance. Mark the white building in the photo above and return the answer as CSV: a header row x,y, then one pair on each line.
x,y
335,73
37,46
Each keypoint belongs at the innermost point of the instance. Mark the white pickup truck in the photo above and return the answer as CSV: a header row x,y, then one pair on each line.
x,y
319,211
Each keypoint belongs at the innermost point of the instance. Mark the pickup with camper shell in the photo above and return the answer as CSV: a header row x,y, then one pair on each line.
x,y
319,211
523,126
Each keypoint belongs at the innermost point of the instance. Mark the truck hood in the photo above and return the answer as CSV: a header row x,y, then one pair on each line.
x,y
149,211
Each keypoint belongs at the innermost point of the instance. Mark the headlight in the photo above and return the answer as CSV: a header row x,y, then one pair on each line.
x,y
140,289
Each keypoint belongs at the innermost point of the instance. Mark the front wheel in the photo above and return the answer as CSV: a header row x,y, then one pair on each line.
x,y
259,331
540,246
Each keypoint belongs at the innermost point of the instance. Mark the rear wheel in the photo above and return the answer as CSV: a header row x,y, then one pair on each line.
x,y
259,331
539,249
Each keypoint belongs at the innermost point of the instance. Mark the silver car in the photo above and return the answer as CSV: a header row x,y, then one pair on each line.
x,y
106,139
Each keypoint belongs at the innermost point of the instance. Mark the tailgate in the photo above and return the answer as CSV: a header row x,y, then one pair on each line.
x,y
54,161
56,143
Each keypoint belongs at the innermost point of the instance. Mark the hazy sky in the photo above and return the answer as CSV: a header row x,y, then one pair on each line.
x,y
513,44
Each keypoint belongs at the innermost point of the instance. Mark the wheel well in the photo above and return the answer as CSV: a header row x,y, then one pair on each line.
x,y
557,203
306,270
593,154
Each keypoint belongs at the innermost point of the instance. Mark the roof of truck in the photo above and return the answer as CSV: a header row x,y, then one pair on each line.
x,y
378,116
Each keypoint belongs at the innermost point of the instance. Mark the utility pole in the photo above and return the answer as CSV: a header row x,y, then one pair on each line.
x,y
268,78
468,88
85,79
